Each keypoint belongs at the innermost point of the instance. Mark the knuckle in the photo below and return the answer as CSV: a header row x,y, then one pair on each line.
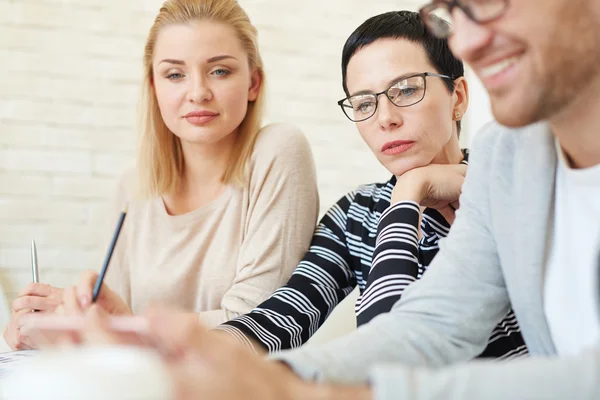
x,y
27,302
30,288
22,303
21,338
89,275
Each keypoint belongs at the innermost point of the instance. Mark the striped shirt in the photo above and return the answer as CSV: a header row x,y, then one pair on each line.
x,y
363,242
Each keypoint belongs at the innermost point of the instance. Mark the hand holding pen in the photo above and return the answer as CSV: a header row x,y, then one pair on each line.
x,y
38,296
77,299
74,300
91,287
35,296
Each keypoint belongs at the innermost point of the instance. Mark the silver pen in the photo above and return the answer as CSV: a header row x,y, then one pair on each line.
x,y
34,263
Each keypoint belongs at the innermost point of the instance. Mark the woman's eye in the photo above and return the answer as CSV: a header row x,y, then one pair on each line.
x,y
365,107
175,76
408,91
221,72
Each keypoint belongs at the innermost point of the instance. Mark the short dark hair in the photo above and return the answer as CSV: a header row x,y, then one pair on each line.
x,y
403,25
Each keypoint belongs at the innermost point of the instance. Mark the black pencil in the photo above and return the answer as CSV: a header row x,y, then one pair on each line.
x,y
111,249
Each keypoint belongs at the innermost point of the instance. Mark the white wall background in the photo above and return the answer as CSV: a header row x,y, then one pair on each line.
x,y
69,80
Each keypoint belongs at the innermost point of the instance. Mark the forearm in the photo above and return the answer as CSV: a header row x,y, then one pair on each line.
x,y
281,322
337,392
527,378
431,326
303,390
409,187
322,279
395,262
346,393
239,336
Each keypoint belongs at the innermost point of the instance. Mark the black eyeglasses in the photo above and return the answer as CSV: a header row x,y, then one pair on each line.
x,y
405,92
437,15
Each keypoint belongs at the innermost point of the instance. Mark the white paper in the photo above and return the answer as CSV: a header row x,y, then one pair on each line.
x,y
10,360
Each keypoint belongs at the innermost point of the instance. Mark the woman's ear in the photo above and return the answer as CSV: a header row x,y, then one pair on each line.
x,y
255,83
461,98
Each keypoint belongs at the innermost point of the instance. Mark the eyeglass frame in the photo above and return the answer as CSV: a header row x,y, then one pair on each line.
x,y
423,75
451,5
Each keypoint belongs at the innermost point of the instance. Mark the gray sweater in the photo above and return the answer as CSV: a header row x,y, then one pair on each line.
x,y
493,257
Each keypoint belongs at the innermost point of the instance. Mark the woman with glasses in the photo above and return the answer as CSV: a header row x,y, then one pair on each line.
x,y
406,93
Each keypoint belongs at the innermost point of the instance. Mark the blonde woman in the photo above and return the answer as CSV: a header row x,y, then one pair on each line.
x,y
220,210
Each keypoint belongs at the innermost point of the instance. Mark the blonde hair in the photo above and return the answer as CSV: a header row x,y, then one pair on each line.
x,y
160,161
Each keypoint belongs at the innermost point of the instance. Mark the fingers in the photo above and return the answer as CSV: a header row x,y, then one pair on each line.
x,y
168,338
448,214
96,327
71,304
176,332
40,338
180,335
56,331
34,303
50,331
37,289
191,380
24,343
85,288
23,340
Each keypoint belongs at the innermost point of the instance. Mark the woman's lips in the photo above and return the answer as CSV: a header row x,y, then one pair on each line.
x,y
202,117
195,120
396,147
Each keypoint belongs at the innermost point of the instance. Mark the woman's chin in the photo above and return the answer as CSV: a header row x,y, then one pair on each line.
x,y
202,137
399,167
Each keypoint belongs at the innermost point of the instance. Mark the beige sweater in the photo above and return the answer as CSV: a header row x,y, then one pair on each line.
x,y
222,259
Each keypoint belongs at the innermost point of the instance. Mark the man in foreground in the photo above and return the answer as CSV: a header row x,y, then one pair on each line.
x,y
526,234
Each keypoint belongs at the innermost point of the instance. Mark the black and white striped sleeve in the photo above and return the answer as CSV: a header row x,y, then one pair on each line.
x,y
293,313
395,261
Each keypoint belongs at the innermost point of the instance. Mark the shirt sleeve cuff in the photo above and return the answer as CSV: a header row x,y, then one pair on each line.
x,y
390,382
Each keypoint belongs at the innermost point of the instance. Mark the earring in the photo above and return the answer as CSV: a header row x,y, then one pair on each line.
x,y
457,116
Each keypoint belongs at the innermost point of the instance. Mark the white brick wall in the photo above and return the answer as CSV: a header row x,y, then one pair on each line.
x,y
69,75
